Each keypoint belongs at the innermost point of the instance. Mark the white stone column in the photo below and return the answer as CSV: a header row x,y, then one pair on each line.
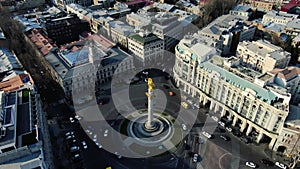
x,y
216,107
259,137
150,111
211,105
234,120
223,112
244,124
272,143
249,129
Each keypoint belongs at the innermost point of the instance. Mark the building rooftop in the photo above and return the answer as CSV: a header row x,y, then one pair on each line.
x,y
147,38
287,73
121,27
2,36
223,23
242,8
164,6
260,47
261,93
8,61
294,24
15,82
8,113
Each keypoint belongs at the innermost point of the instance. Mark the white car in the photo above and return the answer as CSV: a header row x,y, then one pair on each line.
x,y
69,133
118,155
105,133
70,137
251,164
195,158
229,129
280,165
221,123
78,117
206,134
215,118
98,145
72,120
183,126
95,138
145,73
84,144
197,106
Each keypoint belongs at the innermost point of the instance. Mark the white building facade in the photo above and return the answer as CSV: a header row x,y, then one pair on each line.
x,y
251,109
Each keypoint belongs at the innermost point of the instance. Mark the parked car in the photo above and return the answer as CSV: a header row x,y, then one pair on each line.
x,y
215,118
118,155
98,145
197,105
105,133
72,120
280,165
245,139
221,123
229,129
267,162
74,148
166,86
224,137
78,117
95,137
84,145
251,164
183,126
195,158
206,134
70,137
76,156
69,133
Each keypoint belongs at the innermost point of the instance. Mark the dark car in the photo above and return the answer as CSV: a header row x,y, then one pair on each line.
x,y
267,162
166,86
224,137
245,139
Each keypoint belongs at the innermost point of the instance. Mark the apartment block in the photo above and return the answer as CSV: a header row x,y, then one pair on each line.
x,y
262,55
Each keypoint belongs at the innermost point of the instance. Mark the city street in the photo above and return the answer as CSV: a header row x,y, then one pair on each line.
x,y
213,153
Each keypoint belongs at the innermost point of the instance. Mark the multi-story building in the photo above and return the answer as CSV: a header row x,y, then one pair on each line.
x,y
9,61
260,5
65,29
228,31
289,79
21,144
22,130
227,89
262,55
168,28
138,19
64,3
145,46
293,28
241,10
278,17
288,141
92,61
119,32
103,3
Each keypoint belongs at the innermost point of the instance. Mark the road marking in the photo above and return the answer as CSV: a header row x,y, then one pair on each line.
x,y
221,158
